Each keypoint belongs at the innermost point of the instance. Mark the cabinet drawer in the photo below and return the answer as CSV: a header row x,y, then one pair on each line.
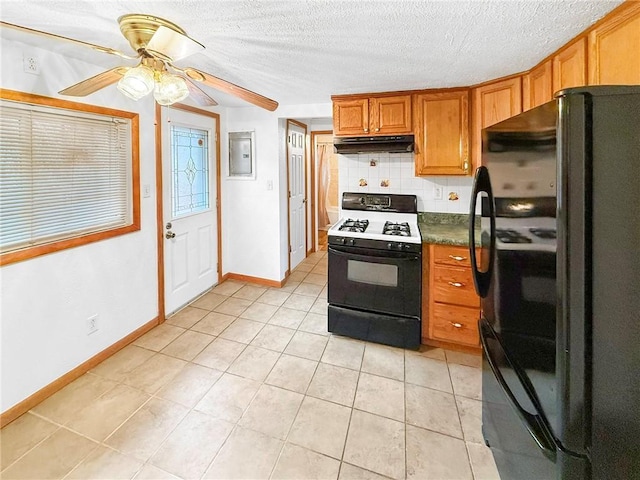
x,y
455,286
456,256
455,324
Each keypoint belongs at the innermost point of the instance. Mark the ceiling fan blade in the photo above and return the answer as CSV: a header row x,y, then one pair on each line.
x,y
230,88
95,83
199,95
99,48
171,45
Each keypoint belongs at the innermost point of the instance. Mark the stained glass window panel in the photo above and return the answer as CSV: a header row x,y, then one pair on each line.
x,y
190,170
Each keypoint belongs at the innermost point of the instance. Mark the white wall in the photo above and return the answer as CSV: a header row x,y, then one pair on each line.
x,y
398,170
46,300
255,219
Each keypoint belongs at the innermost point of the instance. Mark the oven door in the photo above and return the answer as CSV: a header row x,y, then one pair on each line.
x,y
375,280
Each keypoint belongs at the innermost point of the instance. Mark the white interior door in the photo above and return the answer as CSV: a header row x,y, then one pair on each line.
x,y
297,194
189,197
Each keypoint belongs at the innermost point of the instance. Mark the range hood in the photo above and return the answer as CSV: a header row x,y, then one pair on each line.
x,y
391,144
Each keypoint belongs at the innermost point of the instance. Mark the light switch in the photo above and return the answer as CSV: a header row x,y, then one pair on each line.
x,y
269,184
146,191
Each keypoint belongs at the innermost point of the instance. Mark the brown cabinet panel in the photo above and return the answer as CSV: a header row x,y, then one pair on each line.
x,y
441,128
380,115
449,255
614,48
570,66
390,115
454,285
537,86
351,117
451,307
455,324
491,104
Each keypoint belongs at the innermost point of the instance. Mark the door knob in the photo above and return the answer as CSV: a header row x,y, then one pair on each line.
x,y
169,235
168,226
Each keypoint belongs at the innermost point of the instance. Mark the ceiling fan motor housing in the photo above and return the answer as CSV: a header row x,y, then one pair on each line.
x,y
139,28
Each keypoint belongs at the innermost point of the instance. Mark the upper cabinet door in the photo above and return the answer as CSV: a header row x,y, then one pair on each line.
x,y
351,117
570,66
493,103
441,127
390,115
537,86
614,48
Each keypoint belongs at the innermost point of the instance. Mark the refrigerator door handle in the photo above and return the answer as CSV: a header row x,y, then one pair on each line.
x,y
482,184
534,423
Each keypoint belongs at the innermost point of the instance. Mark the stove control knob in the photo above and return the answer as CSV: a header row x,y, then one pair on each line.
x,y
400,246
341,240
389,246
351,242
407,246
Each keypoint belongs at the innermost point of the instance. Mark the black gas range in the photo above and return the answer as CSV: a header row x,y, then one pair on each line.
x,y
375,270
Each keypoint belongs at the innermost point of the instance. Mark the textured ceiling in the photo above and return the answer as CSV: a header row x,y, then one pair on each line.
x,y
304,51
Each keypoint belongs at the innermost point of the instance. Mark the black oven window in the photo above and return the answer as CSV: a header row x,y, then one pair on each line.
x,y
372,273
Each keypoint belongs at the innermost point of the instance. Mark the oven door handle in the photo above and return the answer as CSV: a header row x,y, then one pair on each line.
x,y
391,255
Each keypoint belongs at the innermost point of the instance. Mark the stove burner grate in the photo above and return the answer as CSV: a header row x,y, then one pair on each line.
x,y
511,236
350,225
546,233
396,228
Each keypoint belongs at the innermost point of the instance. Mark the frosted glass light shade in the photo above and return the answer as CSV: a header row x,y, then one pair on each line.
x,y
137,82
170,89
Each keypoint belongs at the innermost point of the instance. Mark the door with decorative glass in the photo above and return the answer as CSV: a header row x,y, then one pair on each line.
x,y
189,198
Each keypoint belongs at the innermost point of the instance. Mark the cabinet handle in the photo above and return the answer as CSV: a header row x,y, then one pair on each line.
x,y
377,129
366,130
456,284
457,258
465,166
456,324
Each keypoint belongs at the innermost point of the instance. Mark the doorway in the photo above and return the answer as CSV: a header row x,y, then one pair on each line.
x,y
325,164
190,214
297,191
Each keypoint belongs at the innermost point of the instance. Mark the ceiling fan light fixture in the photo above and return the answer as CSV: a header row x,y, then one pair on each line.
x,y
137,82
170,89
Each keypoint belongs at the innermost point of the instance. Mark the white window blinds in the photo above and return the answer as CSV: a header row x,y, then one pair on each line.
x,y
62,174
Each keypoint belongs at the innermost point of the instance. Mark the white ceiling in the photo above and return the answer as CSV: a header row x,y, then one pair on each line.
x,y
304,51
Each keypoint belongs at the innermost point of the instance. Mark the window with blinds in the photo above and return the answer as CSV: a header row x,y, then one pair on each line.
x,y
64,174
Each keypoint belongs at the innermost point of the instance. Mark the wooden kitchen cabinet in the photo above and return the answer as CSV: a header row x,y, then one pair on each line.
x,y
372,115
441,129
537,86
492,103
614,48
570,66
451,307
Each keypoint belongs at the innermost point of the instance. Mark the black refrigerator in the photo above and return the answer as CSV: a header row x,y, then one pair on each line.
x,y
558,202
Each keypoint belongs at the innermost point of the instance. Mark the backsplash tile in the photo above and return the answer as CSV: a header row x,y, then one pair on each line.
x,y
395,173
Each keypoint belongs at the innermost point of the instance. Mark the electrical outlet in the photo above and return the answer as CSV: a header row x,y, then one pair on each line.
x,y
437,193
30,64
92,324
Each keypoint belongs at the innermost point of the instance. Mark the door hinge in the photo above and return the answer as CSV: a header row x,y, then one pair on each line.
x,y
290,249
217,267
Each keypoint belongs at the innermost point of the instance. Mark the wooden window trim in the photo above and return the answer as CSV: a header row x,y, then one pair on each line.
x,y
56,246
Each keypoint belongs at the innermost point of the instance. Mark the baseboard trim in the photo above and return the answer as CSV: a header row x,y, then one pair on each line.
x,y
45,392
257,280
452,346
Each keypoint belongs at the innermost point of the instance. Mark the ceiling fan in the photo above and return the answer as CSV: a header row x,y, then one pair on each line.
x,y
157,43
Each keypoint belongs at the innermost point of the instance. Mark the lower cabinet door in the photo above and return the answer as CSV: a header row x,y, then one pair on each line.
x,y
453,323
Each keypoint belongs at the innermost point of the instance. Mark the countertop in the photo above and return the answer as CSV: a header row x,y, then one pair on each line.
x,y
446,228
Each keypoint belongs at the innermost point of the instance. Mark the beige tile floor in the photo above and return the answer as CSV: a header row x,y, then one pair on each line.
x,y
246,382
